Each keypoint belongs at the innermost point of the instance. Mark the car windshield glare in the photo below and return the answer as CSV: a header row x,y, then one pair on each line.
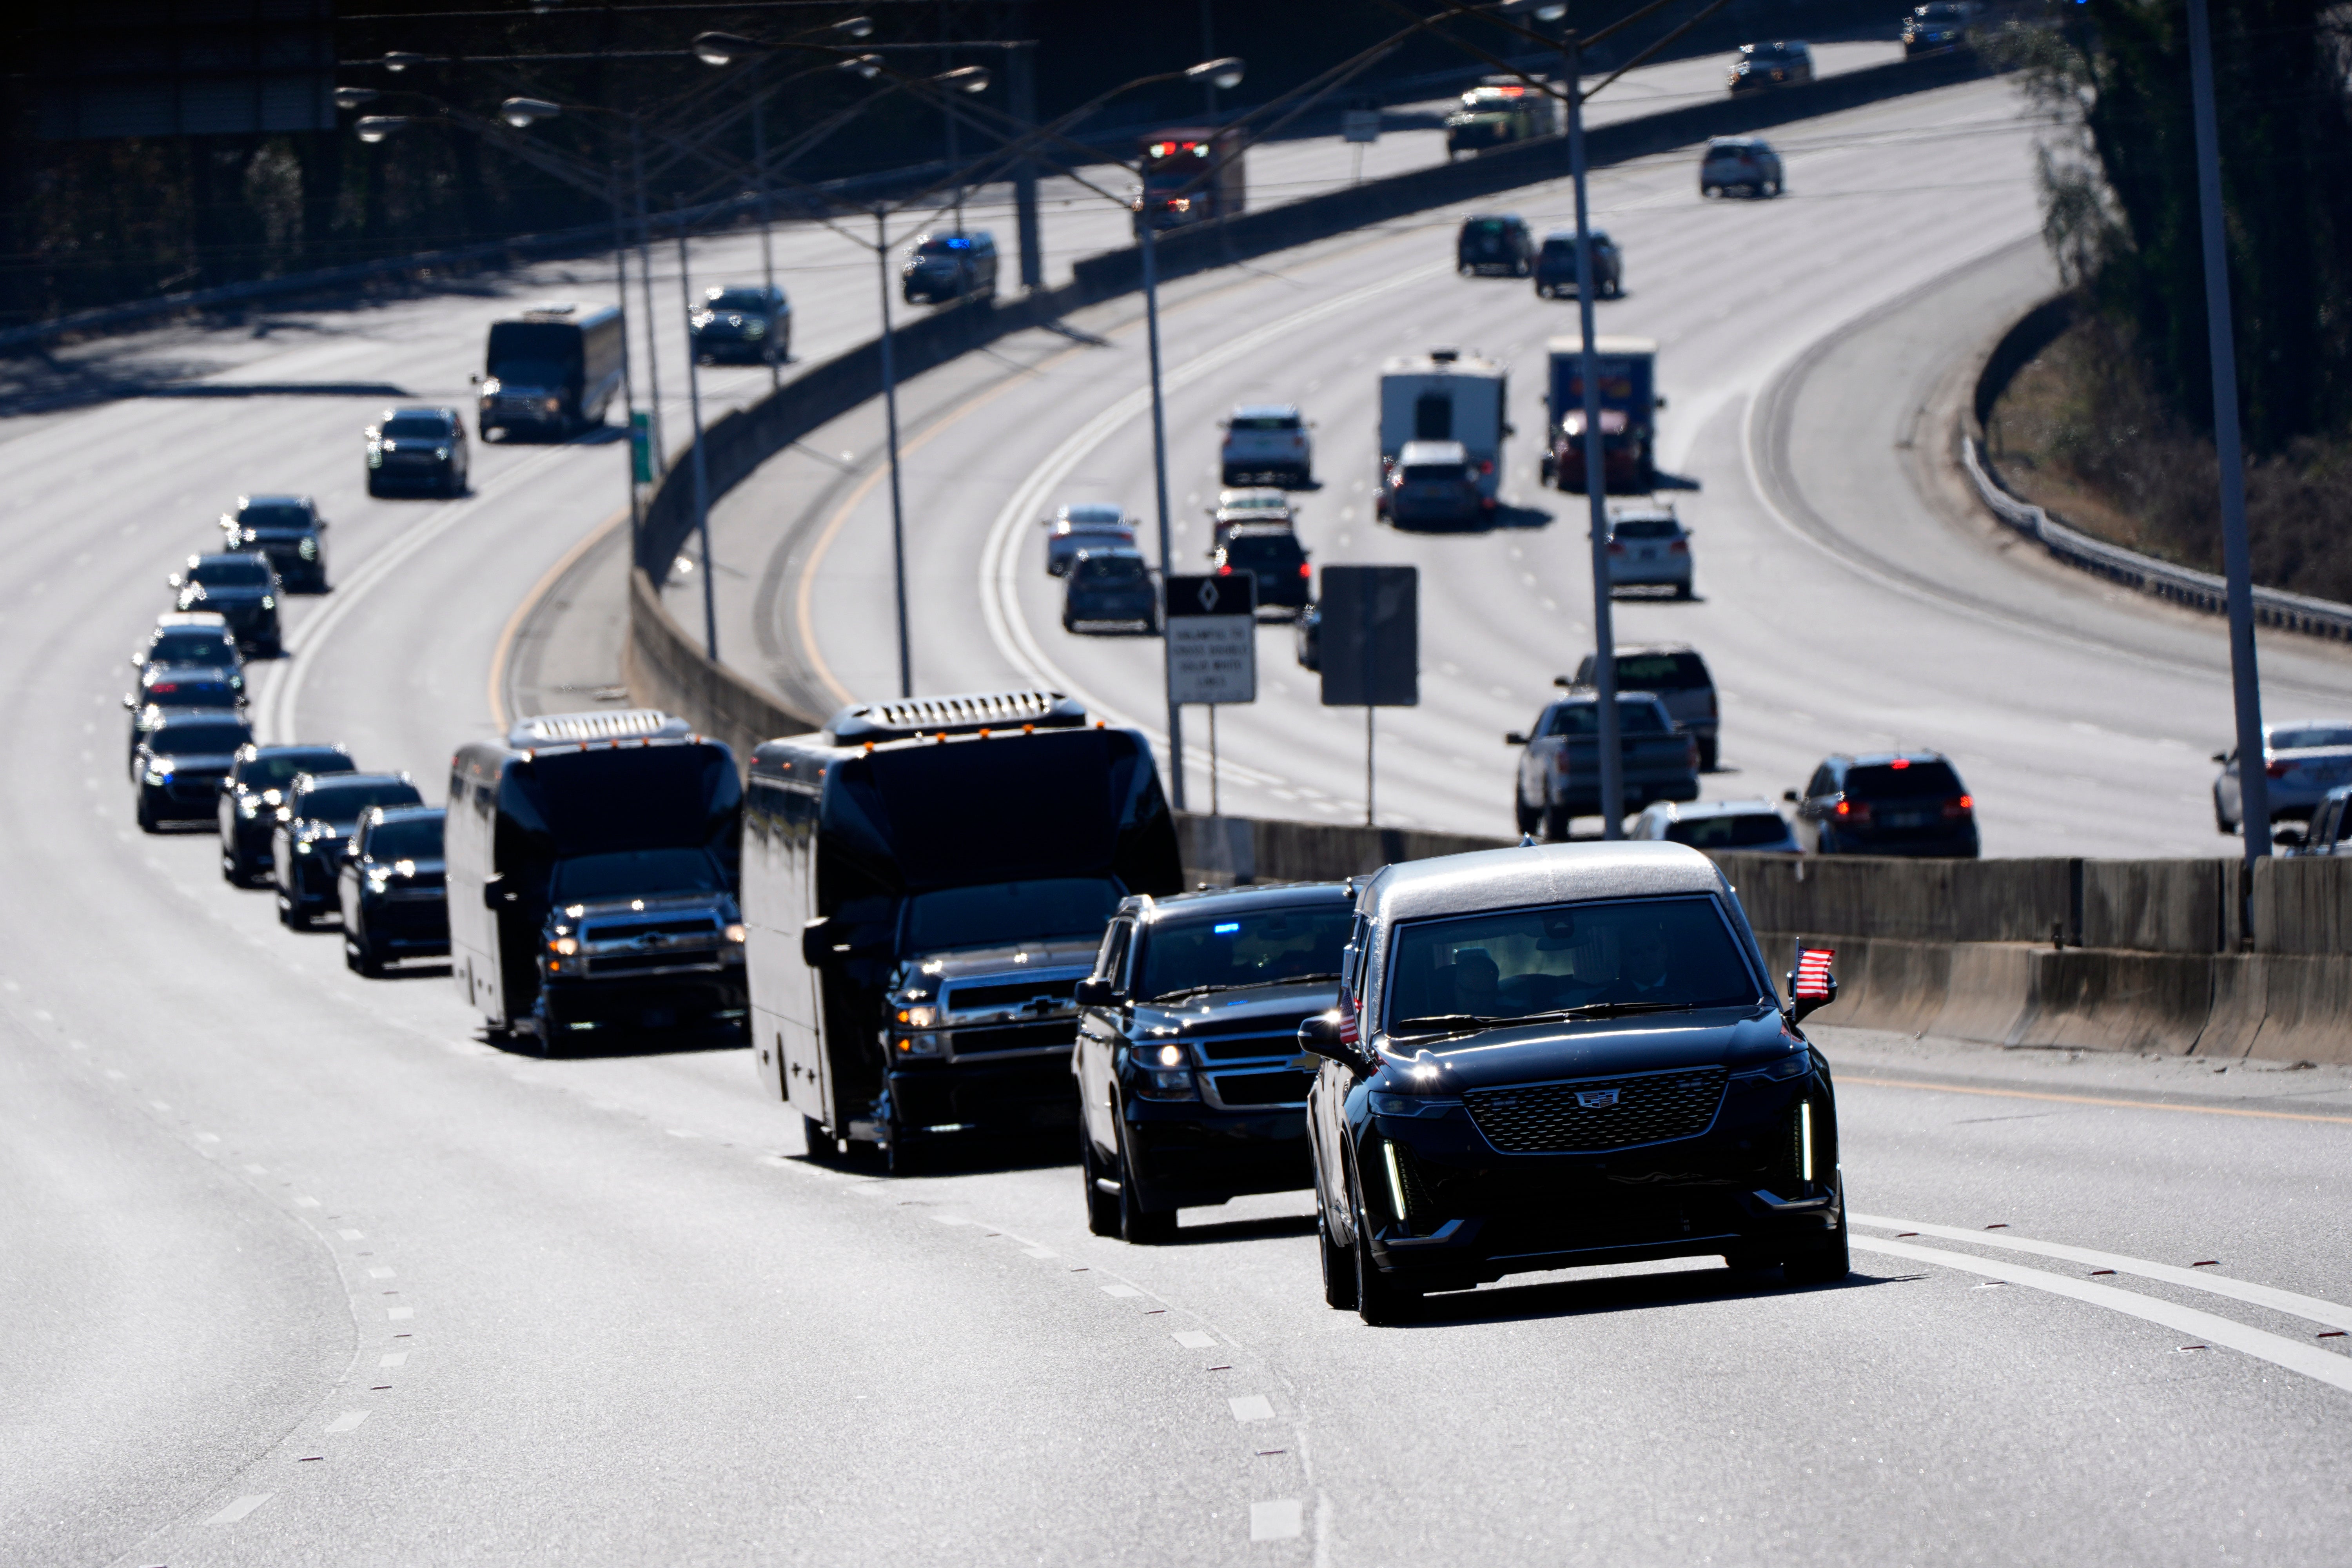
x,y
417,838
2308,737
205,740
278,771
1635,716
1001,913
347,803
738,300
1515,963
416,427
1732,830
1254,947
276,518
1903,781
231,574
634,873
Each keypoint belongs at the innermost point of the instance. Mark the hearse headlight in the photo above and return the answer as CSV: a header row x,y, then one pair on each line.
x,y
1412,1104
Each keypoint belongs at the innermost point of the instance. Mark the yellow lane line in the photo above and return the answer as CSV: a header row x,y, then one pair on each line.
x,y
504,651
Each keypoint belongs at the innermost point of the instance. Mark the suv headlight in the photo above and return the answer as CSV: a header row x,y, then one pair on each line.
x,y
1796,1064
1412,1104
1165,1083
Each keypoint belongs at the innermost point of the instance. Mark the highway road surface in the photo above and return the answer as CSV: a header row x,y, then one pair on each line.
x,y
296,1269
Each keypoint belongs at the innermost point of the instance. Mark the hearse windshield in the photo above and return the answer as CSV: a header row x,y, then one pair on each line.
x,y
1186,955
1637,956
1001,913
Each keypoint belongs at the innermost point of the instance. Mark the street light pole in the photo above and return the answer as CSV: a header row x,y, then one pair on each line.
x,y
890,413
2253,781
1160,479
1596,468
767,221
659,453
628,389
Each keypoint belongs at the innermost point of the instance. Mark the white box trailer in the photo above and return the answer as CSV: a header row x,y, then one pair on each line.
x,y
1446,395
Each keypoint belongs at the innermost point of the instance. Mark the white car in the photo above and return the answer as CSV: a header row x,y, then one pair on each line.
x,y
1085,525
1267,443
2305,758
1751,825
1649,548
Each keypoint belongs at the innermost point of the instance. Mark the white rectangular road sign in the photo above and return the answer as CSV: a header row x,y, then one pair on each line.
x,y
1213,658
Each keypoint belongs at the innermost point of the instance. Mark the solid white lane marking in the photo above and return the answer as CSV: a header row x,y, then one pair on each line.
x,y
347,1421
1276,1520
306,1203
2297,1306
400,1314
392,1358
1252,1407
1120,1290
950,1219
1194,1339
379,1273
239,1509
2308,1360
346,1235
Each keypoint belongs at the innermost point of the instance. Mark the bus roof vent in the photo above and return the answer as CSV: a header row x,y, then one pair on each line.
x,y
551,311
938,715
611,724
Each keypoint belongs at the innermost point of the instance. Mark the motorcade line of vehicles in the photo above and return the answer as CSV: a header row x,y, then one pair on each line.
x,y
1743,163
317,833
949,269
552,372
2304,759
421,448
1500,114
390,889
1558,1056
1267,443
286,527
591,861
1559,759
1084,525
925,882
252,803
1189,1084
749,324
1555,266
243,589
1761,66
1905,802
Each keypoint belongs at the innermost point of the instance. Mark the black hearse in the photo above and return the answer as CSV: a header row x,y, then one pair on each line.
x,y
926,881
1190,1087
590,871
1562,1055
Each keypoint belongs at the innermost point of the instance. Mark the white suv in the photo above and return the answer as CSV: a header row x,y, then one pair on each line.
x,y
1266,443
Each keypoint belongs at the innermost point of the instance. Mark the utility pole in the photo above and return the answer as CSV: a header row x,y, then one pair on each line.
x,y
2253,782
1596,465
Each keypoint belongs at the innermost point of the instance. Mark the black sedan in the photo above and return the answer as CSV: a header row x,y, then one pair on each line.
x,y
1563,1054
243,589
418,449
253,803
180,764
392,889
1189,1082
287,529
165,690
309,847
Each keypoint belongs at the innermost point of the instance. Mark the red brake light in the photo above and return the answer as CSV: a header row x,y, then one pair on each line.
x,y
2275,770
1679,547
1899,763
174,686
1486,465
1844,809
1224,571
1959,807
1303,569
1967,802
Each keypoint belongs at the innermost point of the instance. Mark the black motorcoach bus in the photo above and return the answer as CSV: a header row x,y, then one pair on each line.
x,y
926,882
554,372
591,872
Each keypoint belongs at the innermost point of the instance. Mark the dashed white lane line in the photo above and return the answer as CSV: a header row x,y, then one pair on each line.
x,y
348,1421
239,1509
400,1314
2333,1314
1277,1521
1041,1252
118,1075
1252,1407
1194,1339
392,1358
380,1274
306,1203
264,1170
1120,1290
2308,1360
362,1236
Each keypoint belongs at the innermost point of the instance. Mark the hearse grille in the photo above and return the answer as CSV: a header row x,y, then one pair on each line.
x,y
1599,1112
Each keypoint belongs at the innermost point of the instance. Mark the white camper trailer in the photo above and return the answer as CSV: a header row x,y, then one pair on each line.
x,y
1446,396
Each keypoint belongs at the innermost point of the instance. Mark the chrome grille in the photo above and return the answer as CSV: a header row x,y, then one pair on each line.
x,y
630,931
1599,1112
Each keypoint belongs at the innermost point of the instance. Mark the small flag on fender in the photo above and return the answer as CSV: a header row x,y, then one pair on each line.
x,y
1813,971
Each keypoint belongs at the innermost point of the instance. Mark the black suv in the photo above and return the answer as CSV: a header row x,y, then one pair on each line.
x,y
243,589
1888,802
1494,244
392,889
1188,1080
1273,554
754,325
421,448
1556,267
310,845
166,690
287,529
253,803
180,764
187,642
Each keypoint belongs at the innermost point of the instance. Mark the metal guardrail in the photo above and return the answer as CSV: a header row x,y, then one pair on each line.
x,y
2181,584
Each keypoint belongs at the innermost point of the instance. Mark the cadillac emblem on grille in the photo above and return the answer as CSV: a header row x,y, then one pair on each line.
x,y
1594,1098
